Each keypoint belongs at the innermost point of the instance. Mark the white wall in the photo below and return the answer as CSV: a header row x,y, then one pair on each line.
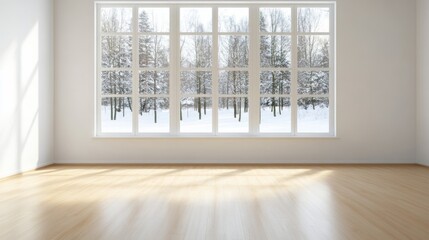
x,y
26,85
375,84
423,81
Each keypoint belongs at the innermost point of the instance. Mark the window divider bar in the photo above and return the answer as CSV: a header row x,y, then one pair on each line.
x,y
215,71
98,73
135,71
175,73
254,63
294,73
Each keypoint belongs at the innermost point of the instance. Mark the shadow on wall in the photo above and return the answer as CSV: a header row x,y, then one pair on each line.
x,y
25,81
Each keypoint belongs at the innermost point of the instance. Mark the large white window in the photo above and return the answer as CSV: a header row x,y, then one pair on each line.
x,y
215,69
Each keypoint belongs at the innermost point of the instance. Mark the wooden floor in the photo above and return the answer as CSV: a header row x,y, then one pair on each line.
x,y
217,202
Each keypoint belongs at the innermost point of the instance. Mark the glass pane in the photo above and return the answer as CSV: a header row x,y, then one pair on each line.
x,y
313,19
275,19
195,19
313,51
233,19
233,82
313,115
116,19
154,19
116,115
313,82
233,115
116,82
154,51
275,82
233,51
275,115
196,82
275,51
154,82
196,51
154,115
196,115
116,51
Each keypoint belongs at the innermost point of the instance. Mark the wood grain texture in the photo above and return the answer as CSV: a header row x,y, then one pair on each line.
x,y
217,202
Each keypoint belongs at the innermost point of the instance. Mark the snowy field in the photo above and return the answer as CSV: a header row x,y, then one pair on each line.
x,y
309,121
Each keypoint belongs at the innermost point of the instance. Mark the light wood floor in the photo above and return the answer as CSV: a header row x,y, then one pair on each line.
x,y
217,202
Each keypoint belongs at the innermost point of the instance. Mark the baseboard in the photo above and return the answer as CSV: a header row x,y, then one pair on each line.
x,y
18,173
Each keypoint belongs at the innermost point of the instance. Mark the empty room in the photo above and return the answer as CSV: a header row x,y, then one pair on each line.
x,y
216,120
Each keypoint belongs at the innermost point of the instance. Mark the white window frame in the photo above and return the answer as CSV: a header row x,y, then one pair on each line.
x,y
254,68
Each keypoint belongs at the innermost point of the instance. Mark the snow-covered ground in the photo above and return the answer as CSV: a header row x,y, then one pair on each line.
x,y
309,121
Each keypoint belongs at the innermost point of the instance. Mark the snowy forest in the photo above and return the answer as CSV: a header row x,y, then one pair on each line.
x,y
196,58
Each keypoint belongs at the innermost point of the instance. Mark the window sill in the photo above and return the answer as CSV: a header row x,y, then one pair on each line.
x,y
209,136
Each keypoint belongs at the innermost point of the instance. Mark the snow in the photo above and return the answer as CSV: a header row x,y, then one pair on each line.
x,y
309,121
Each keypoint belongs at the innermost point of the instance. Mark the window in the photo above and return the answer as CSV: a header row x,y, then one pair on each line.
x,y
215,69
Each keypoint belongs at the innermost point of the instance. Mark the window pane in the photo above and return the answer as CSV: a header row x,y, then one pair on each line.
x,y
313,82
234,82
233,19
196,115
313,19
275,51
234,115
116,51
154,51
196,82
313,115
313,51
116,82
275,115
116,19
196,51
275,19
154,82
275,82
154,115
116,115
195,19
233,51
154,19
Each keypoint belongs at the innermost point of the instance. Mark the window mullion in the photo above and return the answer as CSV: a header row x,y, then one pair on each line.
x,y
135,71
215,71
175,71
294,73
254,64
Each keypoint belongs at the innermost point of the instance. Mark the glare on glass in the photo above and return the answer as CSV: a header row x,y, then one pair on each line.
x,y
154,115
233,51
154,19
275,115
275,82
154,51
313,115
233,82
116,114
313,51
196,51
233,115
195,19
116,51
116,82
275,19
196,115
154,82
313,82
233,19
116,19
313,19
196,82
275,51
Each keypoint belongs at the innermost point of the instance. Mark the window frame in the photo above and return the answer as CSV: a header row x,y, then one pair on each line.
x,y
254,68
